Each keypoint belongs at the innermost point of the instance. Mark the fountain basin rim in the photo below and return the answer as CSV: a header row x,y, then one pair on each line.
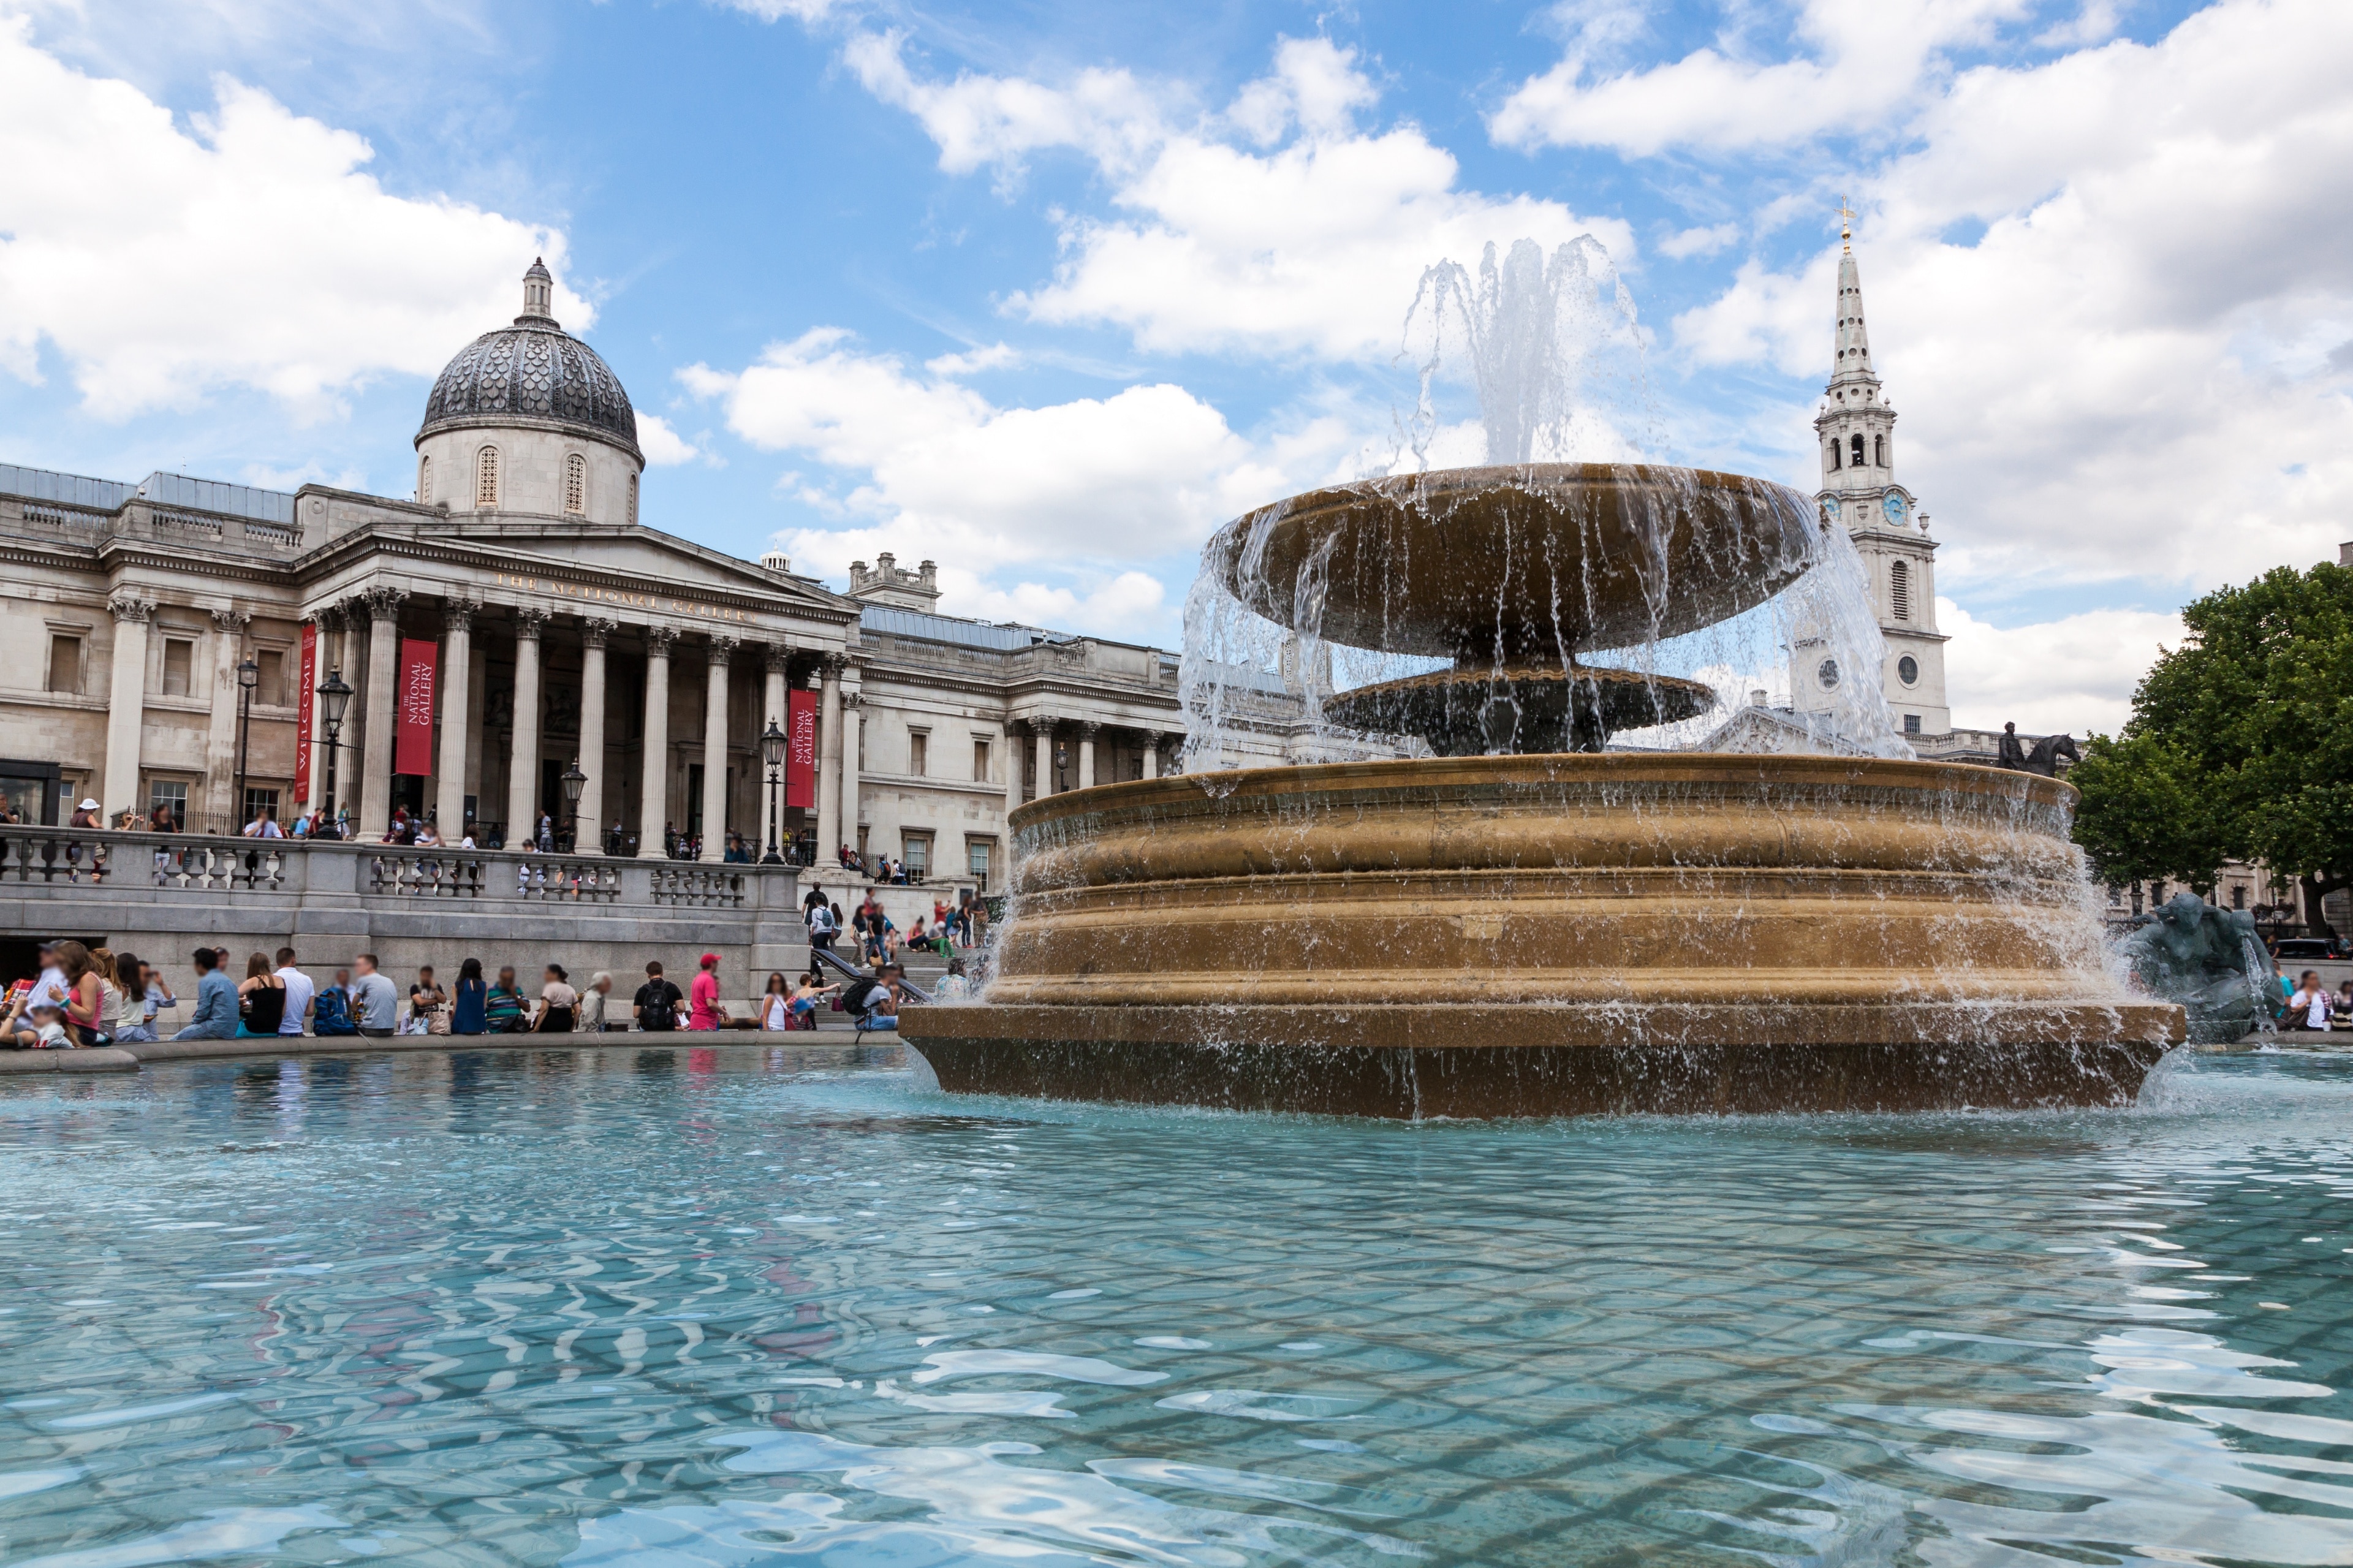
x,y
1605,769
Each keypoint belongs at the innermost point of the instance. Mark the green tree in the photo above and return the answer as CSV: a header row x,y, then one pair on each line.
x,y
2240,745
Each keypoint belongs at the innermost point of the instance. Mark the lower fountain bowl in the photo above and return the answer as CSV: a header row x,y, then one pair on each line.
x,y
1546,935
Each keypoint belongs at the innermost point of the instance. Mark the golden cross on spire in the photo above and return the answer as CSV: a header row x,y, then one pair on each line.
x,y
1846,221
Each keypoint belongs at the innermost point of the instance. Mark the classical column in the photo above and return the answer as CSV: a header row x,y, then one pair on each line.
x,y
523,767
457,684
382,706
1044,730
718,651
1150,753
851,701
326,641
1015,730
588,820
772,826
653,788
830,839
125,707
220,738
1087,729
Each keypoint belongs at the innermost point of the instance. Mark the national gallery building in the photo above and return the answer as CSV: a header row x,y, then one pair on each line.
x,y
167,639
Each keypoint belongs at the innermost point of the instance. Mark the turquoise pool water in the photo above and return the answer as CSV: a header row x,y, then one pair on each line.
x,y
670,1307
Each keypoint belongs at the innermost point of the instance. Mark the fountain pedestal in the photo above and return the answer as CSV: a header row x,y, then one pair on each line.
x,y
1541,935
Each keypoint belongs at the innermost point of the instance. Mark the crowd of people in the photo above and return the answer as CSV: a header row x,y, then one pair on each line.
x,y
2312,1005
86,996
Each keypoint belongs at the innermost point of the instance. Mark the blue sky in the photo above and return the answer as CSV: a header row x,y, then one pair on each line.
x,y
1046,292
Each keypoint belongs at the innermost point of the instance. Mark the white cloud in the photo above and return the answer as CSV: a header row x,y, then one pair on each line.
x,y
777,10
936,469
249,250
979,120
2129,373
1870,57
1279,227
662,445
2076,674
1693,242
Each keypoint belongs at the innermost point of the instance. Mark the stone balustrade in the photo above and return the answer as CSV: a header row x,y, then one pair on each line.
x,y
158,894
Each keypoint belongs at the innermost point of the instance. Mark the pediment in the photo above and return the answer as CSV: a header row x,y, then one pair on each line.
x,y
634,573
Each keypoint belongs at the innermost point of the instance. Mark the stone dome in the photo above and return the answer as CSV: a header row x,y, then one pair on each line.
x,y
532,372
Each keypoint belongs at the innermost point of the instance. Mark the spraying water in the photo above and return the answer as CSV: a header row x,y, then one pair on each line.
x,y
1623,598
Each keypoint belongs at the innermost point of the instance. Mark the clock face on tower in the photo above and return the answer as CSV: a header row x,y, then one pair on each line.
x,y
1893,507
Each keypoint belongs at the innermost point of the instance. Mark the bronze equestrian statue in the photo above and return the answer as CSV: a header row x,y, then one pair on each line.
x,y
2012,753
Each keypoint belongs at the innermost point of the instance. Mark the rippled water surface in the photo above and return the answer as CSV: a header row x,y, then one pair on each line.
x,y
671,1306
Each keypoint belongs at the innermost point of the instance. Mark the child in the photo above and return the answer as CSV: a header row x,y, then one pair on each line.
x,y
44,1029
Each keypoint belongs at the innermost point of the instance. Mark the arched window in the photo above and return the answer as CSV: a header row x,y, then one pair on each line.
x,y
486,477
425,480
575,484
1879,451
1854,459
1899,589
633,500
1834,456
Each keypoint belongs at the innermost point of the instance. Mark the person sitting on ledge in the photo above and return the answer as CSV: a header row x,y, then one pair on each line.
x,y
375,1007
505,1007
215,1015
40,1027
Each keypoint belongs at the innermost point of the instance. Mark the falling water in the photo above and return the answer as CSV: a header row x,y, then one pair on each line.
x,y
1553,348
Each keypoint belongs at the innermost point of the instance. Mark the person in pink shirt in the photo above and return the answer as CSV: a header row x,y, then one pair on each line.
x,y
702,1010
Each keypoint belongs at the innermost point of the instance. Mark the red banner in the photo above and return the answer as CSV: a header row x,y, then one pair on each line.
x,y
306,697
412,750
800,750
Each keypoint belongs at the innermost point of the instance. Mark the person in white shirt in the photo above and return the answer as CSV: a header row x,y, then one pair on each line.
x,y
2308,1008
265,826
50,989
299,992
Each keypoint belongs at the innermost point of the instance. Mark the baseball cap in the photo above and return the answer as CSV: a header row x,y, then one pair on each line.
x,y
710,958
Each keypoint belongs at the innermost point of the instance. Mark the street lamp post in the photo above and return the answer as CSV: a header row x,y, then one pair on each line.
x,y
249,676
335,700
772,751
573,782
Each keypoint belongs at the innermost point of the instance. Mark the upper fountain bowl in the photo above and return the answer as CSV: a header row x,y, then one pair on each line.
x,y
1542,559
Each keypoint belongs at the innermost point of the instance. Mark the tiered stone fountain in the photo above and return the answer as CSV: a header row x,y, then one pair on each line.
x,y
1539,930
1523,924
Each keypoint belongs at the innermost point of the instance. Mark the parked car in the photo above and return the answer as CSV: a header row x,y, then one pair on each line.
x,y
2303,948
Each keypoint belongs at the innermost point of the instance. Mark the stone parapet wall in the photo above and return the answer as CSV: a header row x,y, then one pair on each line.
x,y
161,896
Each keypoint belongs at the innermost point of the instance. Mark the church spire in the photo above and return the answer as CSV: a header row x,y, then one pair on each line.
x,y
1851,366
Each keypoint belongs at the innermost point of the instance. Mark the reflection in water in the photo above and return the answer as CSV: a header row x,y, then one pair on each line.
x,y
724,1306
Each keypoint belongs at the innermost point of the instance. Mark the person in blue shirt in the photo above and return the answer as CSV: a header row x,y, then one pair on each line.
x,y
215,1015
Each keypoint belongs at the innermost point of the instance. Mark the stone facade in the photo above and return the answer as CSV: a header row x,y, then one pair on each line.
x,y
653,662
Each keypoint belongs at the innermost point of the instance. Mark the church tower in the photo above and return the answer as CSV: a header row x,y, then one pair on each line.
x,y
1857,430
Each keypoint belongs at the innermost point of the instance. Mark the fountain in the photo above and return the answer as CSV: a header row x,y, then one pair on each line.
x,y
1525,923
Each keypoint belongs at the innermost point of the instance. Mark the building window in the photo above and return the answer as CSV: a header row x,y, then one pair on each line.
x,y
168,794
1879,451
1907,670
1899,589
2239,897
919,752
271,692
1834,455
633,500
65,665
1854,447
916,848
1911,723
425,480
575,485
979,761
256,801
178,656
975,861
486,477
